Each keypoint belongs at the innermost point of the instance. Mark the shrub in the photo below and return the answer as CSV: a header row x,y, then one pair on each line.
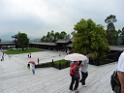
x,y
59,64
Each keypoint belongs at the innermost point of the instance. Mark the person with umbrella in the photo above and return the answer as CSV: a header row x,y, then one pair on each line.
x,y
76,60
75,76
84,71
32,66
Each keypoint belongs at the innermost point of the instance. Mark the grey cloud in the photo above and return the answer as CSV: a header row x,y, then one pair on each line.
x,y
67,14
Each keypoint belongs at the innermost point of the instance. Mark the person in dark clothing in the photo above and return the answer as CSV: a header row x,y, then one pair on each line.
x,y
84,76
2,57
38,60
84,71
75,76
74,81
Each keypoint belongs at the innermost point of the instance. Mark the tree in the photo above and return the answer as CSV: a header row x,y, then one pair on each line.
x,y
54,36
90,38
22,40
111,32
119,38
122,35
63,35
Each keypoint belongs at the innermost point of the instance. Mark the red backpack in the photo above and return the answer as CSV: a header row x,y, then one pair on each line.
x,y
73,68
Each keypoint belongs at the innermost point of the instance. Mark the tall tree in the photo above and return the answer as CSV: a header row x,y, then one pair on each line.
x,y
22,40
90,38
111,32
63,35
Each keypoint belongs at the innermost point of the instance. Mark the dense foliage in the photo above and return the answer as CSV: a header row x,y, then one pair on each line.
x,y
112,34
19,51
121,37
90,38
54,36
21,40
59,64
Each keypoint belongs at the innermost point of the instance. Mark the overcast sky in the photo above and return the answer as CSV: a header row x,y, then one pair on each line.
x,y
37,17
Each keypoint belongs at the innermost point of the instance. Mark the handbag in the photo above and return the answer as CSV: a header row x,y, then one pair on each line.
x,y
115,83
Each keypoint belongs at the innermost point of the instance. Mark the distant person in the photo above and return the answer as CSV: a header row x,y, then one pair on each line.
x,y
32,67
2,57
84,71
75,76
68,51
120,70
28,55
3,53
38,60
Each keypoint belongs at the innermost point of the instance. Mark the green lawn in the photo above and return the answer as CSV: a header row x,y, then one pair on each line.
x,y
62,62
19,51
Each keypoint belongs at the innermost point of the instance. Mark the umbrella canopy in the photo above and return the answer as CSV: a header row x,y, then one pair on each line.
x,y
76,57
32,62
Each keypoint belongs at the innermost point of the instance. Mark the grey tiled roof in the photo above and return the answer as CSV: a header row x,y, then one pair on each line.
x,y
63,41
43,43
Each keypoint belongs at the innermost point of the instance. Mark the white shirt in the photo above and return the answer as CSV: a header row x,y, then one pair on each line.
x,y
121,63
32,66
84,65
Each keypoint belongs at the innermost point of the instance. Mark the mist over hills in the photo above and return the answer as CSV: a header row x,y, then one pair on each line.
x,y
8,37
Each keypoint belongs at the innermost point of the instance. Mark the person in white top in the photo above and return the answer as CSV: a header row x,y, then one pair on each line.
x,y
84,71
120,70
32,67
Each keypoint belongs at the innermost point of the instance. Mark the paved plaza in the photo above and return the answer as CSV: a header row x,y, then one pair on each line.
x,y
16,78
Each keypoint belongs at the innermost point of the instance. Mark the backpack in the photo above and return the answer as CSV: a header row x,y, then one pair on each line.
x,y
74,70
115,83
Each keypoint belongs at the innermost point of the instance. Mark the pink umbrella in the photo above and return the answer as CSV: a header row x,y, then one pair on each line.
x,y
32,62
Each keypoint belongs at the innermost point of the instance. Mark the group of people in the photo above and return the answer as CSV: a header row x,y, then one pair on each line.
x,y
81,66
75,68
79,72
29,55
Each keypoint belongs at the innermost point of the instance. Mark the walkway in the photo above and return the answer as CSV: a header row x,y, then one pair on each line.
x,y
16,78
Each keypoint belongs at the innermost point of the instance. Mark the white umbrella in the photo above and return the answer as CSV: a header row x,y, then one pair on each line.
x,y
76,57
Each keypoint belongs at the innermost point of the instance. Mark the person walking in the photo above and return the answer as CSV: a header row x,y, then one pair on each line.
x,y
84,71
38,60
28,55
32,67
120,71
75,76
